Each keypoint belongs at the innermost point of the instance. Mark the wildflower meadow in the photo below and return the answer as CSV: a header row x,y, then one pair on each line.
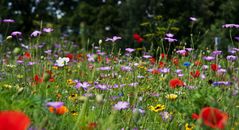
x,y
50,82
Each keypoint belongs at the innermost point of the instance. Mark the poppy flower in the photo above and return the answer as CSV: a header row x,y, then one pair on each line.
x,y
175,61
175,83
197,63
195,74
152,60
162,55
70,56
214,67
212,117
13,120
138,38
161,64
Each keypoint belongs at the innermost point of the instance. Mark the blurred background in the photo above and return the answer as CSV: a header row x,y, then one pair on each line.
x,y
91,20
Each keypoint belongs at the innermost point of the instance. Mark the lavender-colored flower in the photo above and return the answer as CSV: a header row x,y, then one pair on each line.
x,y
20,62
47,30
181,52
31,63
170,39
55,104
83,85
166,116
220,83
237,38
133,84
216,53
209,58
235,49
106,68
189,49
91,57
193,19
16,33
140,77
121,105
169,35
35,33
203,76
231,58
115,38
180,75
178,71
126,68
130,50
8,21
230,26
138,110
101,86
48,52
164,70
147,56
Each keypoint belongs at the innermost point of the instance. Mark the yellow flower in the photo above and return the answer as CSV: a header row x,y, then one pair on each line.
x,y
171,96
189,127
74,113
71,82
73,97
55,67
157,108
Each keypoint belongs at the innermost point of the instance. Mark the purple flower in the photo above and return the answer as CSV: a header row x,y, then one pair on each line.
x,y
47,30
101,86
8,21
139,110
181,52
115,38
48,51
189,49
220,83
215,53
91,57
205,67
126,68
106,68
133,84
164,70
230,26
169,35
35,33
130,50
209,58
170,39
16,33
178,71
231,58
121,105
193,19
147,56
237,38
166,116
31,63
55,104
83,85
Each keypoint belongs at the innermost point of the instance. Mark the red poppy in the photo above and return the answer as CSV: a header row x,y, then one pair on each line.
x,y
38,79
13,120
214,67
162,55
152,60
27,55
138,38
176,83
155,71
161,64
212,117
197,63
195,74
175,61
70,56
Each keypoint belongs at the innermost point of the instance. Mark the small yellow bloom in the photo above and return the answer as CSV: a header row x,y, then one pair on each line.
x,y
189,127
55,67
159,108
71,82
73,97
74,113
171,96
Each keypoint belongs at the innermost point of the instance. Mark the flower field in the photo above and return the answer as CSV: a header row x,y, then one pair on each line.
x,y
49,83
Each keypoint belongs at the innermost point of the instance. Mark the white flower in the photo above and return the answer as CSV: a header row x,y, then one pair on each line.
x,y
62,61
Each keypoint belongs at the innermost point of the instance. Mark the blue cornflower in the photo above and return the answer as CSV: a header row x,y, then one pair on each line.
x,y
187,64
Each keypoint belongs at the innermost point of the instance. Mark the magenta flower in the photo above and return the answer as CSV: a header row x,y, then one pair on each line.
x,y
169,35
230,26
121,105
35,33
